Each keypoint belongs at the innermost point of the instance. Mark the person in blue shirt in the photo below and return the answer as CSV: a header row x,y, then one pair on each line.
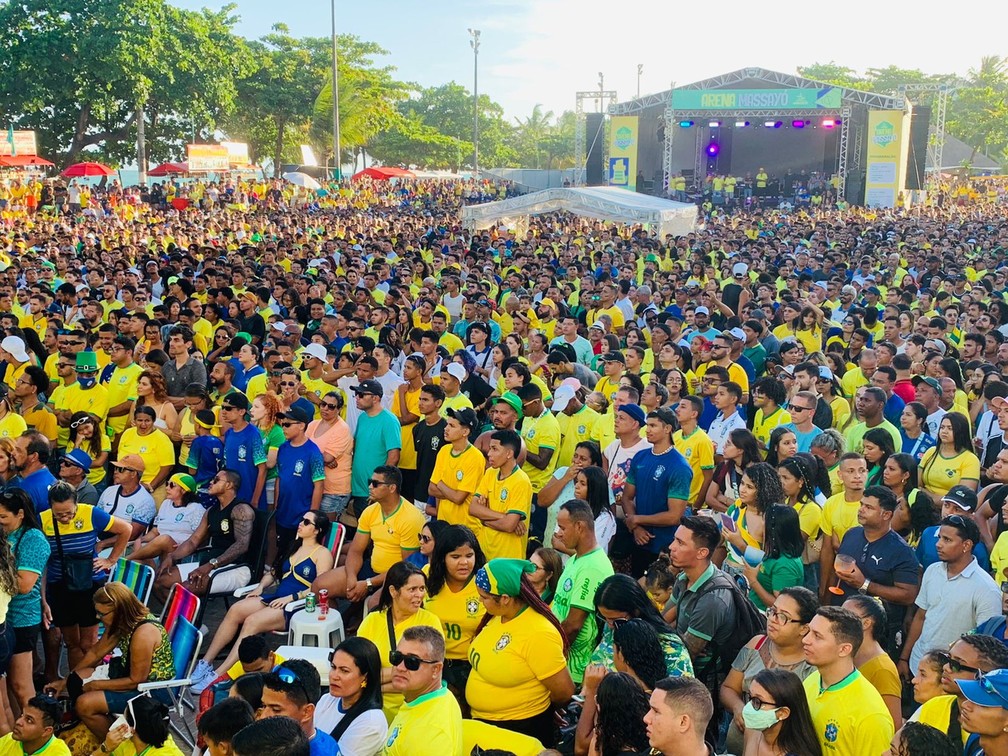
x,y
31,454
301,471
291,690
656,493
243,450
206,452
959,500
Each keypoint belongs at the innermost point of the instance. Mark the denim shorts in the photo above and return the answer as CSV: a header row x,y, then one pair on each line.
x,y
334,503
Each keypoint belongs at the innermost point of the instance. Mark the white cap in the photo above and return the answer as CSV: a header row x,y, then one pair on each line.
x,y
701,310
16,346
740,269
456,371
278,326
598,324
825,372
562,397
315,350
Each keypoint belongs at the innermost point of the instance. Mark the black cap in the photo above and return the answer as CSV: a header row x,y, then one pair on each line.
x,y
237,400
465,415
368,387
296,414
613,357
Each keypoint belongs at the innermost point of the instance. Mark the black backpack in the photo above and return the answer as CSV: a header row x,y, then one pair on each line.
x,y
749,622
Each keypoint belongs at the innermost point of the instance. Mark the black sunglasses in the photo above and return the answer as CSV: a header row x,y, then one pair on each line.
x,y
374,483
412,662
288,677
955,667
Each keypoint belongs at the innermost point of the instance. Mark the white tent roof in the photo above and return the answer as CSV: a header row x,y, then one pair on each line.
x,y
603,202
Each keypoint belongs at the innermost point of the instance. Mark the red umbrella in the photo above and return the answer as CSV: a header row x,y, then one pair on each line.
x,y
383,173
20,161
169,169
78,170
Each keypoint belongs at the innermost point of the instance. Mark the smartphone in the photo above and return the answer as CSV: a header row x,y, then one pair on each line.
x,y
728,523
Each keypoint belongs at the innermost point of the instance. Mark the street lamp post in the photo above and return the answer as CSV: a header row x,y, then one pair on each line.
x,y
640,69
335,99
474,43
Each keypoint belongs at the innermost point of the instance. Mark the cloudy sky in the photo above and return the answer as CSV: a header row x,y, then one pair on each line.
x,y
544,51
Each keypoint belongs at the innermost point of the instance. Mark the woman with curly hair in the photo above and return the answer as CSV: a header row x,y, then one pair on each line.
x,y
263,412
152,391
759,489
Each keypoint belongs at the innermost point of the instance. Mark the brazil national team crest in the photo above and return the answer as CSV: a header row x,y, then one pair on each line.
x,y
504,642
458,475
392,735
472,607
299,467
504,494
582,429
242,453
831,732
78,524
659,471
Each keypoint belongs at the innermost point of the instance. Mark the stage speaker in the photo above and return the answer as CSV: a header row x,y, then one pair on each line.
x,y
917,155
595,174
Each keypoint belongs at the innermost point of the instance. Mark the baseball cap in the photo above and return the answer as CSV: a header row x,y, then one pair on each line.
x,y
547,302
613,357
296,414
825,372
465,416
963,497
132,462
80,458
186,482
740,269
932,382
635,412
512,400
16,346
236,400
998,402
701,310
456,371
738,334
562,397
990,689
314,350
368,387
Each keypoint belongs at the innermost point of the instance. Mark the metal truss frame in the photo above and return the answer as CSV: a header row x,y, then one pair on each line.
x,y
844,146
580,135
667,148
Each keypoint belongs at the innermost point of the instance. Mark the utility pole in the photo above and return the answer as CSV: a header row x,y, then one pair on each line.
x,y
335,100
640,69
141,146
474,43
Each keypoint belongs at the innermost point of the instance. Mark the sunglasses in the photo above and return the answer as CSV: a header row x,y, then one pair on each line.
x,y
424,538
956,667
288,383
329,405
375,483
412,662
614,622
287,677
308,521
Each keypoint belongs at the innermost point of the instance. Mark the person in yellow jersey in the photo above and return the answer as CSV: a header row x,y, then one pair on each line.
x,y
35,318
34,730
15,355
696,446
503,499
36,414
85,394
761,180
121,383
430,720
458,469
519,668
849,715
769,395
840,514
400,606
613,366
450,381
453,597
576,421
541,433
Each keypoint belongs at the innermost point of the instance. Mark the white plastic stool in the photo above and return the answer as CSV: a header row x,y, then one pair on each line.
x,y
317,657
312,631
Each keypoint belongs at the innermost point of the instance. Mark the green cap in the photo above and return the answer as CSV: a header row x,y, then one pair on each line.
x,y
502,577
511,398
87,362
186,482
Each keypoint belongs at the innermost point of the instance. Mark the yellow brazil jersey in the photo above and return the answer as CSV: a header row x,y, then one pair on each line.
x,y
155,449
763,425
510,495
12,426
408,454
460,612
939,473
37,323
375,629
850,717
735,373
839,515
490,736
614,312
573,430
257,386
12,374
93,400
461,472
451,342
431,723
541,432
97,472
699,452
121,387
42,419
317,386
536,379
508,661
811,339
236,670
608,387
11,747
852,381
391,535
50,369
457,402
937,712
809,518
841,412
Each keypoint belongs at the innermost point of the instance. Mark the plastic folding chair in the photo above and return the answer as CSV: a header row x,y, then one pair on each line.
x,y
186,642
182,603
136,576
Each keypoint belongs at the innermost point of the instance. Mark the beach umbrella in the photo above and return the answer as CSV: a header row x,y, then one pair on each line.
x,y
79,170
21,161
169,169
302,179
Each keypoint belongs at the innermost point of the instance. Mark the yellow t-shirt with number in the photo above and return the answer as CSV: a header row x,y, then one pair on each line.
x,y
462,472
512,495
509,661
460,613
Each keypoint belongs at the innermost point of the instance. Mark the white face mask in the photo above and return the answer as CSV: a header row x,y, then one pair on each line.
x,y
761,719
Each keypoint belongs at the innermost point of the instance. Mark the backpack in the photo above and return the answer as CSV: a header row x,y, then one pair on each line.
x,y
749,623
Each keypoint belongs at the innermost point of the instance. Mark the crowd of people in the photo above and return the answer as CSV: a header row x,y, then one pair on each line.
x,y
740,491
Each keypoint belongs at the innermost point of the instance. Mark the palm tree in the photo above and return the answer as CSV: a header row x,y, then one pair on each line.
x,y
533,131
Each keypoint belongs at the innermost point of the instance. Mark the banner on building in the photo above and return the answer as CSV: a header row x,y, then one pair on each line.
x,y
208,158
623,143
885,167
238,154
16,142
827,98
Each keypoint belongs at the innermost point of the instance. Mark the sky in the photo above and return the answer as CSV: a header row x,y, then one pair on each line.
x,y
544,51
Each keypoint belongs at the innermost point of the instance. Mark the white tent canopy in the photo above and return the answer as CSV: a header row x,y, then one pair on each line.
x,y
608,203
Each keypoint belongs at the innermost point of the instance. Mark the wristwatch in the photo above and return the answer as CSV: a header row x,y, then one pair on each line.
x,y
864,587
214,563
369,584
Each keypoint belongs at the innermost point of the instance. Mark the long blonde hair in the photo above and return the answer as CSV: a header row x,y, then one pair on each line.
x,y
129,612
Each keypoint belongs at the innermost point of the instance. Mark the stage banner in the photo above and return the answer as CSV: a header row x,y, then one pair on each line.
x,y
238,154
208,158
16,142
623,141
885,167
827,98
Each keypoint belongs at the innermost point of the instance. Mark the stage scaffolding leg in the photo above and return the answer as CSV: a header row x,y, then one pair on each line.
x,y
845,115
667,150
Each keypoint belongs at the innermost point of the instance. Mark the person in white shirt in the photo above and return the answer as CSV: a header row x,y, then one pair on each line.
x,y
726,399
352,710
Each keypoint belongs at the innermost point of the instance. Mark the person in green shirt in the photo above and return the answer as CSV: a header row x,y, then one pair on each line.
x,y
782,551
574,602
